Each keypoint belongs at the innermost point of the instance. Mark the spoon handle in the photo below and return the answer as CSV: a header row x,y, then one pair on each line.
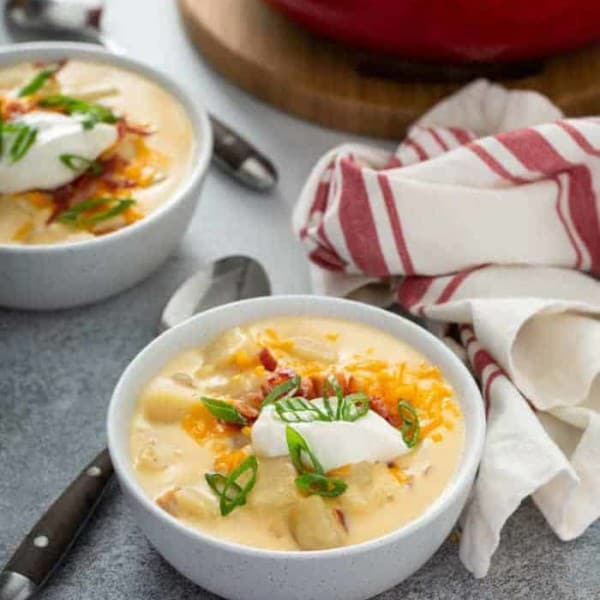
x,y
50,539
237,157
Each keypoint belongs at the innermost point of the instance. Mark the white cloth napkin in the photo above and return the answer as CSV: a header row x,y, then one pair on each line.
x,y
489,211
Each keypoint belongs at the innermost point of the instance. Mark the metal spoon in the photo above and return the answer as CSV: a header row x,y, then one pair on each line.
x,y
44,547
82,18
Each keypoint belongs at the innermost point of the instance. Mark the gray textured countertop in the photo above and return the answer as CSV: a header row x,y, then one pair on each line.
x,y
57,371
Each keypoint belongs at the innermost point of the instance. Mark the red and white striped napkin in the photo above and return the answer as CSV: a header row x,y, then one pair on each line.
x,y
487,216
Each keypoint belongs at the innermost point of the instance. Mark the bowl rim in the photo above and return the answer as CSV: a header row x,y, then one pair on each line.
x,y
462,477
194,110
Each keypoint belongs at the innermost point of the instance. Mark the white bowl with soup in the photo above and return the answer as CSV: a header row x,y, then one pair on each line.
x,y
101,166
296,446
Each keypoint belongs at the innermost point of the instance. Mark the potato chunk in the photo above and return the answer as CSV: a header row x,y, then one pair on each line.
x,y
310,349
314,525
189,502
370,486
167,401
222,350
274,488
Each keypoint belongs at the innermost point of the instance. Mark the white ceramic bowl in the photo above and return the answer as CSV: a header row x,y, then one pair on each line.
x,y
70,274
244,573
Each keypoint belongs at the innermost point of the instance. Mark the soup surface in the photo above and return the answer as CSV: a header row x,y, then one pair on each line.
x,y
87,149
297,433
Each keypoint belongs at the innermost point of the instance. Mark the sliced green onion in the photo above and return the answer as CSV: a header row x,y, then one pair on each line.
x,y
299,410
224,411
92,113
301,455
39,80
321,485
354,406
231,490
410,428
23,140
285,389
79,164
333,385
75,215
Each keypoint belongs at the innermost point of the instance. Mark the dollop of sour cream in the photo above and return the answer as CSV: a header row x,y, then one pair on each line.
x,y
41,167
335,443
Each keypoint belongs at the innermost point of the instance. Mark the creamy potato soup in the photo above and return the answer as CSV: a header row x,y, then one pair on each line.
x,y
297,433
86,149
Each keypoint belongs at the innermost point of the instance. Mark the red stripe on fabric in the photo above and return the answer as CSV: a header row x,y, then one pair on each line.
x,y
493,164
536,153
401,247
563,220
486,390
454,283
481,360
579,138
412,290
463,136
357,223
436,136
393,163
325,260
417,148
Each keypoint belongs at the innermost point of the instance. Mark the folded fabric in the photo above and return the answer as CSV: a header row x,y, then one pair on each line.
x,y
487,216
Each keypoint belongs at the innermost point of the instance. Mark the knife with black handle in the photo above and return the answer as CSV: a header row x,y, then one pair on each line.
x,y
226,280
51,537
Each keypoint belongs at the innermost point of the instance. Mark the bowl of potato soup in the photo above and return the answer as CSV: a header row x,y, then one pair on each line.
x,y
296,446
101,163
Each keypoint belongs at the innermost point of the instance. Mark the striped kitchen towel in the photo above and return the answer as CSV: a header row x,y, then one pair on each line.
x,y
487,217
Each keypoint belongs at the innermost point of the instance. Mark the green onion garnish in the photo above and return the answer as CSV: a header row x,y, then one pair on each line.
x,y
354,406
231,490
76,214
23,139
92,113
333,385
285,389
311,478
299,410
321,485
410,423
224,411
79,164
39,80
302,456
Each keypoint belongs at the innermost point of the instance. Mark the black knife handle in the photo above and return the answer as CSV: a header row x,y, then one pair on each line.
x,y
239,158
52,536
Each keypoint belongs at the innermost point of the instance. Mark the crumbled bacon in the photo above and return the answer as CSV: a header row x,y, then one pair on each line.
x,y
341,517
269,362
276,378
248,412
383,410
307,388
320,384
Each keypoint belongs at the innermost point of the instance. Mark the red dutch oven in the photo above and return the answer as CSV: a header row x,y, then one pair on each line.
x,y
452,30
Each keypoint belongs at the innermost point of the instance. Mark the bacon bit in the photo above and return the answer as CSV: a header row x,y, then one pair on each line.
x,y
341,517
247,411
268,361
319,383
307,388
385,411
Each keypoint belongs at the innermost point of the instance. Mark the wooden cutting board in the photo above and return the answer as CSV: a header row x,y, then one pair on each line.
x,y
319,80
